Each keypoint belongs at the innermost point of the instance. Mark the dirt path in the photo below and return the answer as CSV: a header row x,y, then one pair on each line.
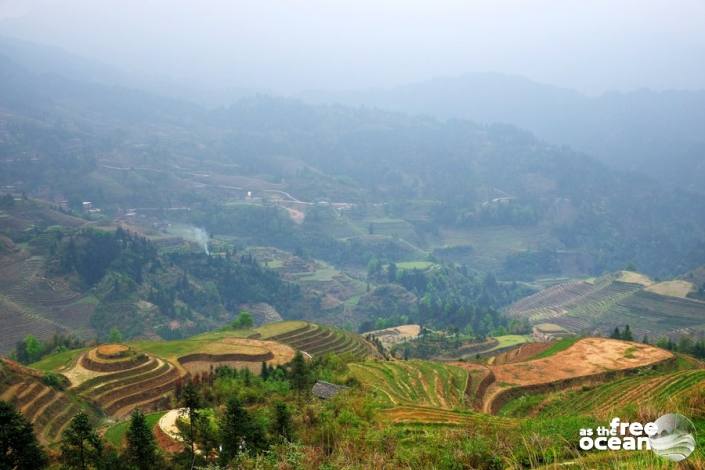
x,y
167,423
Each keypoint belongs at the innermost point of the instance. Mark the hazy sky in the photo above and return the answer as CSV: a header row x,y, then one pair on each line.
x,y
289,46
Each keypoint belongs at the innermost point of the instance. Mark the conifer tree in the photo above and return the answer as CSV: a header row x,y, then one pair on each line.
x,y
232,431
299,374
283,425
141,451
627,334
19,448
81,447
191,400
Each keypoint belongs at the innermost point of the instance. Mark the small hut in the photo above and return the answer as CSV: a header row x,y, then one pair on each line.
x,y
326,390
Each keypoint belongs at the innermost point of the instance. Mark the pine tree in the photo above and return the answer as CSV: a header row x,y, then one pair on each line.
x,y
191,400
115,335
232,431
141,451
81,447
283,425
18,444
616,334
299,374
627,334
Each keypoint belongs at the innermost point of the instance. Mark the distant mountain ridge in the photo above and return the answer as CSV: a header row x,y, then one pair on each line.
x,y
656,133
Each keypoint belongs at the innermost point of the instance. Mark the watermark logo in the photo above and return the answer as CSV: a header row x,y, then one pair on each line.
x,y
675,438
672,436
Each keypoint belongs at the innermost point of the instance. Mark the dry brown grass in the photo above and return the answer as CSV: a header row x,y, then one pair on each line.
x,y
671,288
634,278
240,346
112,350
586,357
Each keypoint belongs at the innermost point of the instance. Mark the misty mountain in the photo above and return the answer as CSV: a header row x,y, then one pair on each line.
x,y
655,133
124,148
41,59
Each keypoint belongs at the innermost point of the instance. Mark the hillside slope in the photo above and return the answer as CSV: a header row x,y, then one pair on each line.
x,y
615,300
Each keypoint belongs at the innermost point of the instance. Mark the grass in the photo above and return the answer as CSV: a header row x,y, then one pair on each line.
x,y
320,275
629,352
180,347
414,382
410,265
116,433
510,340
521,406
558,346
58,360
278,328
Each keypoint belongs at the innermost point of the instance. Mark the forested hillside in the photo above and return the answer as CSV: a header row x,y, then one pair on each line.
x,y
130,149
656,133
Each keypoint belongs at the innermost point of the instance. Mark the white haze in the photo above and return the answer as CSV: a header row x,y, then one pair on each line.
x,y
293,46
193,234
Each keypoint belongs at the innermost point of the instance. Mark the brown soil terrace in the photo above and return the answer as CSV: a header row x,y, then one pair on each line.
x,y
238,353
93,361
587,359
111,351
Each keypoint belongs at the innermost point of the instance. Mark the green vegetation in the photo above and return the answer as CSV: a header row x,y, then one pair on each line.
x,y
610,304
32,350
58,360
558,346
18,446
410,265
507,341
115,435
414,382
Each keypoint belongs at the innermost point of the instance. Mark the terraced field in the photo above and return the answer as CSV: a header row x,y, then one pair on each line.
x,y
35,303
49,409
656,390
585,360
318,340
418,383
407,414
614,300
121,384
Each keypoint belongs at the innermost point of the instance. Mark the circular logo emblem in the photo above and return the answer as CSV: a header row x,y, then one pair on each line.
x,y
675,438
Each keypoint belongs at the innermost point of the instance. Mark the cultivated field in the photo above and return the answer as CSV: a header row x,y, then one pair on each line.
x,y
317,340
421,383
49,409
615,300
672,288
394,335
35,303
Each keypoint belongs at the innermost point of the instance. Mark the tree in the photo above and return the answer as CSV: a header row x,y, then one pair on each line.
x,y
191,400
81,447
283,425
616,334
264,371
392,272
18,444
243,320
115,335
141,451
299,373
232,431
33,347
627,334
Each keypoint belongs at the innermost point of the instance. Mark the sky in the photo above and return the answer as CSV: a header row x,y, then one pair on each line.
x,y
292,46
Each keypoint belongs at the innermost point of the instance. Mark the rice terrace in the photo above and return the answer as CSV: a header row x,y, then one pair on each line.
x,y
587,377
448,235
